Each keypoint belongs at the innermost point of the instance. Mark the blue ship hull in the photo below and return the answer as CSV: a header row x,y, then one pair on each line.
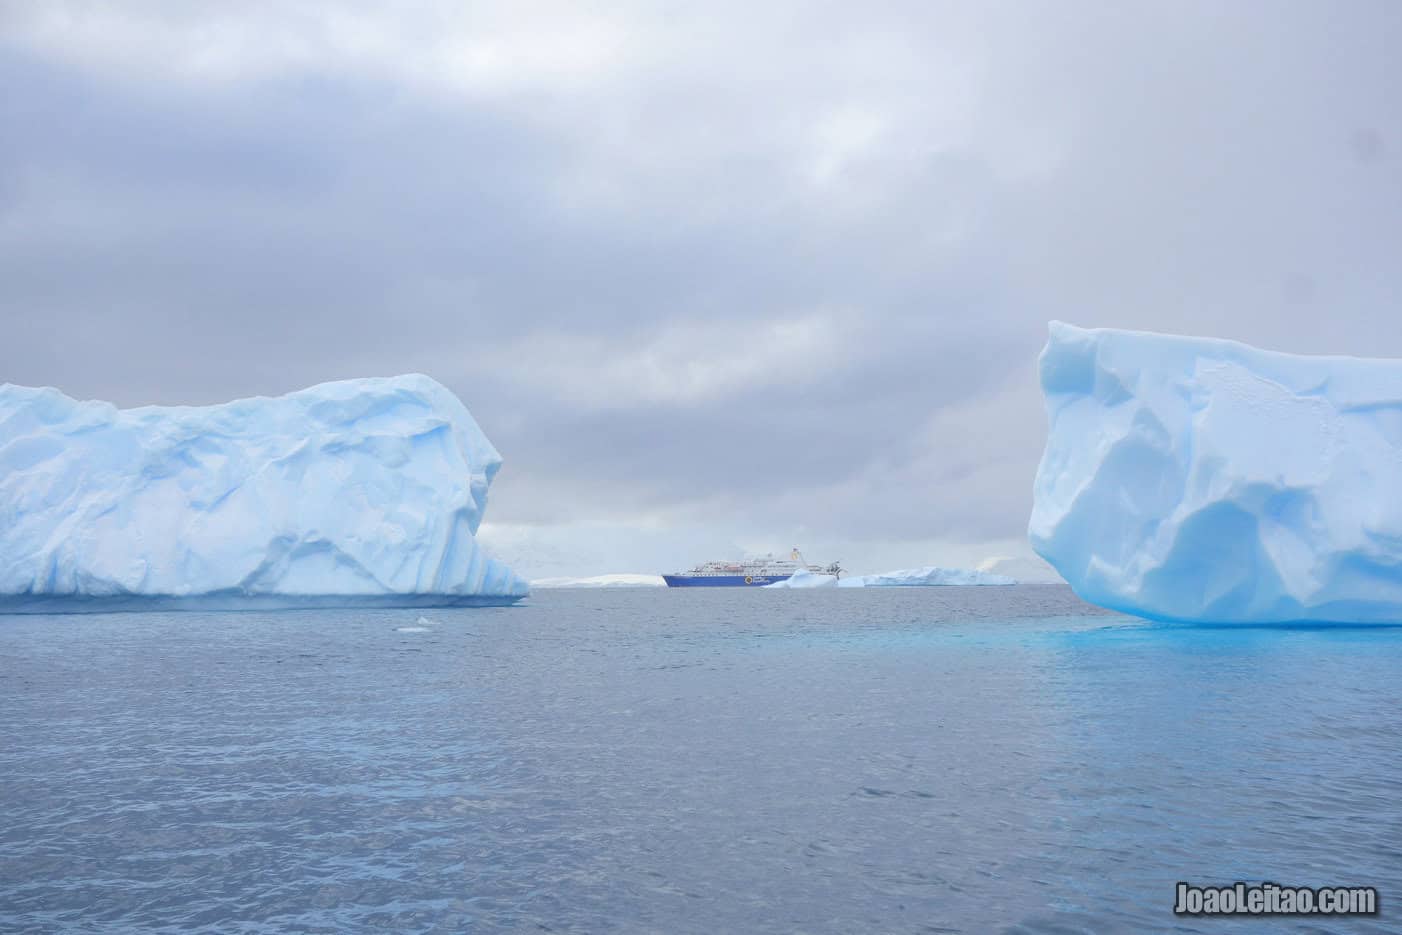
x,y
721,581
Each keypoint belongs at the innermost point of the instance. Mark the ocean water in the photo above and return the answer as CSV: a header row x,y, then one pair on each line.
x,y
925,760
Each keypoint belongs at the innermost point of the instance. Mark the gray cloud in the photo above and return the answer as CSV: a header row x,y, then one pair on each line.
x,y
720,279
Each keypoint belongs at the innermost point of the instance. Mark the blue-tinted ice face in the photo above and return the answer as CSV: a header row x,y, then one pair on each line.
x,y
356,489
1197,479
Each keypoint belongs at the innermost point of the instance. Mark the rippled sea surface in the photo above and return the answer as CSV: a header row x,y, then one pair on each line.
x,y
922,760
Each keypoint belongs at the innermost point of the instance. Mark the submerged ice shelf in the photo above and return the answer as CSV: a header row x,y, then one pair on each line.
x,y
354,492
1204,480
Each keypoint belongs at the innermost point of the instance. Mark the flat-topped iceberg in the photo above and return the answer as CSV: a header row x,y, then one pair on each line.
x,y
1203,480
929,577
623,580
359,491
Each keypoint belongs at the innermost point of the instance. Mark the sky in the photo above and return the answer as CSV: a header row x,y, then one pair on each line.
x,y
716,279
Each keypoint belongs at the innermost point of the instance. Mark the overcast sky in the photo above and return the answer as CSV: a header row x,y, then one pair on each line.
x,y
714,277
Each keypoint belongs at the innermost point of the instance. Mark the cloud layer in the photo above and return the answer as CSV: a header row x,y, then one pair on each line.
x,y
712,278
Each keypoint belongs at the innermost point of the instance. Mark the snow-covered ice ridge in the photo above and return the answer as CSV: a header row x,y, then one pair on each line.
x,y
354,492
930,576
1203,480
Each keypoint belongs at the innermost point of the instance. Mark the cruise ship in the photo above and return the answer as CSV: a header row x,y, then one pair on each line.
x,y
749,573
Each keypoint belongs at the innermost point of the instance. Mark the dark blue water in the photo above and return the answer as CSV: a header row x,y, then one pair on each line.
x,y
937,760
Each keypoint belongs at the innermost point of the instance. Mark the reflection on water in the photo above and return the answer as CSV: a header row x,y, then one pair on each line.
x,y
684,761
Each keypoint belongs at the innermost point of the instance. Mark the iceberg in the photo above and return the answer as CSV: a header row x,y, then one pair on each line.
x,y
623,580
353,492
803,578
1201,480
929,577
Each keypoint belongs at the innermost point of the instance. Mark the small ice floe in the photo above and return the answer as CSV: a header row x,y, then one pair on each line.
x,y
422,625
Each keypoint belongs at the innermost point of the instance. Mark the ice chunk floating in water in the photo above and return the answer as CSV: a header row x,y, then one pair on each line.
x,y
1204,480
359,491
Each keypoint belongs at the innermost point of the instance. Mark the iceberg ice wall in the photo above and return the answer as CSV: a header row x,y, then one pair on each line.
x,y
1205,480
354,491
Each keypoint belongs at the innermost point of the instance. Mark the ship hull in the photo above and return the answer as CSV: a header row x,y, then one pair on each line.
x,y
721,581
